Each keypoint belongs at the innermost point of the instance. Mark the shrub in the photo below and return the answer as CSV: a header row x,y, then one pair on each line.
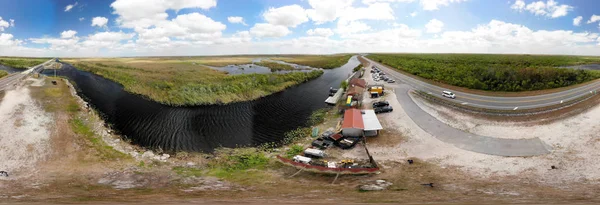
x,y
293,151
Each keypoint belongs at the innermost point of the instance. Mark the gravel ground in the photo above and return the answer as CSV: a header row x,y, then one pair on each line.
x,y
574,141
24,133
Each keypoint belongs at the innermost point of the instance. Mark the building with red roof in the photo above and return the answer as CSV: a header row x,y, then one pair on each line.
x,y
358,82
353,125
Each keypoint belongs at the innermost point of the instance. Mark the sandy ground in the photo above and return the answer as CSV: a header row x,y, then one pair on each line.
x,y
24,133
574,140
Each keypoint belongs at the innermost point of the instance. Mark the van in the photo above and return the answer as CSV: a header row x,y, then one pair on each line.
x,y
448,94
314,153
302,159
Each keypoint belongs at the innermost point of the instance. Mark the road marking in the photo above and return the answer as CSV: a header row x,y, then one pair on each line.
x,y
464,103
516,108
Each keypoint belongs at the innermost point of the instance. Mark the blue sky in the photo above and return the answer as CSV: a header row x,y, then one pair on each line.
x,y
82,28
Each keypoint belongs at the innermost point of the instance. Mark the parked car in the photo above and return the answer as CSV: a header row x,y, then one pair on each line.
x,y
380,104
383,109
448,94
391,81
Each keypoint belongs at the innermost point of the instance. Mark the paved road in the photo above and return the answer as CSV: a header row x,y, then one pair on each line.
x,y
491,102
465,140
12,80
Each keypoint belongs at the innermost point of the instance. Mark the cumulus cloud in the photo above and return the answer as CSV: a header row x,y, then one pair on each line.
x,y
146,13
593,19
413,14
70,6
577,20
324,32
236,19
431,5
269,30
5,24
326,11
81,19
549,9
434,26
6,39
289,16
351,27
99,21
68,34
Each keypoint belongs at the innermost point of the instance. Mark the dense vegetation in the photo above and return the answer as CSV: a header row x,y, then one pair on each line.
x,y
3,73
185,84
22,63
317,61
274,66
493,72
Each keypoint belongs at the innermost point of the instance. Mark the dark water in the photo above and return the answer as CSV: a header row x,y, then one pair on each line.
x,y
584,67
253,68
203,128
9,69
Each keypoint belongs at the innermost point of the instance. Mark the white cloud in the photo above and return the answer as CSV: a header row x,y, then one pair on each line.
x,y
289,16
70,6
434,26
106,39
81,19
6,39
518,5
146,13
236,19
68,34
323,32
269,30
5,24
99,21
577,20
326,11
550,8
192,26
385,1
431,5
413,14
351,27
593,19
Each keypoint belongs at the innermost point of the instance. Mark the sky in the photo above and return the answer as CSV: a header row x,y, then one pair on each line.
x,y
112,28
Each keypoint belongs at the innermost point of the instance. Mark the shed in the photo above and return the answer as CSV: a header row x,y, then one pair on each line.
x,y
353,125
371,123
358,82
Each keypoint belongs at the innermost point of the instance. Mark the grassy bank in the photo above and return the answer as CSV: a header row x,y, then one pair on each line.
x,y
181,84
274,66
317,61
493,72
3,73
22,63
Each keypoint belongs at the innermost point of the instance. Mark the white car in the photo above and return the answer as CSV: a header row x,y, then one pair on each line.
x,y
448,94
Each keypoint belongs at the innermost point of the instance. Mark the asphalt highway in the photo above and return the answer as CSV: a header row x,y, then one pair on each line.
x,y
12,80
493,102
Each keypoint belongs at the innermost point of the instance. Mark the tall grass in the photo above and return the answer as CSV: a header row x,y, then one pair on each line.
x,y
22,63
3,73
181,84
317,61
493,72
274,66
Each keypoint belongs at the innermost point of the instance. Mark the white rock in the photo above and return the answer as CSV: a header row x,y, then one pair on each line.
x,y
148,154
379,181
191,164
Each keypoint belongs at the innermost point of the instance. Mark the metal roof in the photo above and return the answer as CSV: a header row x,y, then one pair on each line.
x,y
353,119
370,120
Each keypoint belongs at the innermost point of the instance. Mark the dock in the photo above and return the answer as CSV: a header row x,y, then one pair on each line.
x,y
332,100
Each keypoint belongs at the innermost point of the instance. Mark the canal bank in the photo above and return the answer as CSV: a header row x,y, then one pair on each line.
x,y
204,128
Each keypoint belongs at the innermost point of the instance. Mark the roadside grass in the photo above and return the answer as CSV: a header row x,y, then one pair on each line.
x,y
22,63
184,84
274,66
3,73
493,72
316,61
